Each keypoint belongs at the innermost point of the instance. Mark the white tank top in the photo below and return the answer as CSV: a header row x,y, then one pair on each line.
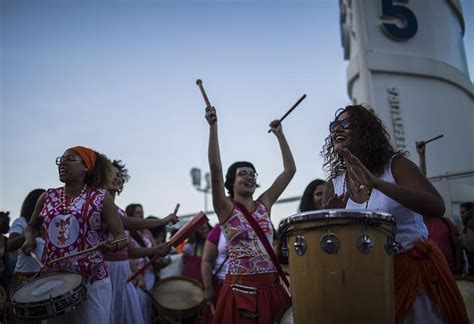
x,y
410,226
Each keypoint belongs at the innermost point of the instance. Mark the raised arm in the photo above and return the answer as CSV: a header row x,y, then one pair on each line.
x,y
222,205
136,223
411,189
269,197
32,230
421,149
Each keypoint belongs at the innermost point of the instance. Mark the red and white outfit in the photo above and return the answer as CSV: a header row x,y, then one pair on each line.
x,y
125,298
72,229
144,299
252,292
219,269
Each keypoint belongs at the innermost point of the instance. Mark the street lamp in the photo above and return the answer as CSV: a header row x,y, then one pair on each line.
x,y
196,180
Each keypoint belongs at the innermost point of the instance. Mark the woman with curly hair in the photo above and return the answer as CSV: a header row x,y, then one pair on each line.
x,y
366,172
72,217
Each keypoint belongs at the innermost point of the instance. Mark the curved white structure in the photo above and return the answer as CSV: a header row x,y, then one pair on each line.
x,y
407,60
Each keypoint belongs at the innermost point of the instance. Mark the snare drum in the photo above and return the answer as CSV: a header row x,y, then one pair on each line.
x,y
49,296
178,297
341,266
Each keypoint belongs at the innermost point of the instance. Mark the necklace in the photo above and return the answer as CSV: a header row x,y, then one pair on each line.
x,y
64,202
359,189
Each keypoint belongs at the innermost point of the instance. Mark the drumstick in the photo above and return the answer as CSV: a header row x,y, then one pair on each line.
x,y
291,109
33,255
199,83
84,251
433,139
176,209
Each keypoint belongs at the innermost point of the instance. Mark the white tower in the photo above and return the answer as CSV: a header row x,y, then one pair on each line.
x,y
407,60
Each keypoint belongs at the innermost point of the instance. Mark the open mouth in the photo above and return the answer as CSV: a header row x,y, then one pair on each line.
x,y
62,170
339,138
249,184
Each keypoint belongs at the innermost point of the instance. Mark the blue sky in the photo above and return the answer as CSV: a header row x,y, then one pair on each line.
x,y
119,76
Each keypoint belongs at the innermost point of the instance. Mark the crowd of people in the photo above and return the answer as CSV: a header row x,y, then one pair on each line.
x,y
239,262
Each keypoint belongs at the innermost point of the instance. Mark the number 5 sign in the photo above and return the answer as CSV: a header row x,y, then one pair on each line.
x,y
397,11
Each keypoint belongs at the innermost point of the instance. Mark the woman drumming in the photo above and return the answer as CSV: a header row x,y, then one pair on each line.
x,y
125,299
367,173
252,292
72,218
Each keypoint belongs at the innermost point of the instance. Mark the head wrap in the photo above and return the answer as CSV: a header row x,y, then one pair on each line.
x,y
88,156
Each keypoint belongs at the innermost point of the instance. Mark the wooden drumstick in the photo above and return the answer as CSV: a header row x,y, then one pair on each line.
x,y
290,110
433,139
203,92
176,209
84,251
33,255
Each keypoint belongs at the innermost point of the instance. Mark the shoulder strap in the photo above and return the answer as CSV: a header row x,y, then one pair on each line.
x,y
220,266
263,238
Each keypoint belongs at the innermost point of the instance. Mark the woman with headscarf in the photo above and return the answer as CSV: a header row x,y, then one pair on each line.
x,y
72,217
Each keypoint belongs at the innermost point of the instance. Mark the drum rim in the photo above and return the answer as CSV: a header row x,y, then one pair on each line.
x,y
32,279
336,213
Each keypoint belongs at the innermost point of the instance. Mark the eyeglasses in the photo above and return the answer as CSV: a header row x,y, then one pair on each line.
x,y
345,124
245,174
66,159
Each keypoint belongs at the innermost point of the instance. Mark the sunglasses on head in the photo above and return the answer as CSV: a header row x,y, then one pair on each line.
x,y
345,124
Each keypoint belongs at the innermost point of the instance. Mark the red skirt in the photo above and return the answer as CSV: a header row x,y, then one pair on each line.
x,y
250,299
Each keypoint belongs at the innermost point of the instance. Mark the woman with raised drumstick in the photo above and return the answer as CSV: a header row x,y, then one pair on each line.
x,y
368,173
72,218
252,292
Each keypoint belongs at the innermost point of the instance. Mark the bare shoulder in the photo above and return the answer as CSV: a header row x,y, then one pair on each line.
x,y
403,167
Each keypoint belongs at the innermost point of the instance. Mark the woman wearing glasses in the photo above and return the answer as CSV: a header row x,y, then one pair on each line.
x,y
72,217
368,173
252,292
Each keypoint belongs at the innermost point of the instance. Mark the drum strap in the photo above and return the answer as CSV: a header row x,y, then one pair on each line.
x,y
263,238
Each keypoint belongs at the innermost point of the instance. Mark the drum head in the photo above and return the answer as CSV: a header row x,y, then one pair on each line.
x,y
178,293
47,287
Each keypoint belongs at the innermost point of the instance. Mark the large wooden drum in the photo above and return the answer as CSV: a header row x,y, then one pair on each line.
x,y
178,297
341,266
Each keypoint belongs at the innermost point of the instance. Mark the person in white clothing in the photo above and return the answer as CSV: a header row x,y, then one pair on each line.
x,y
366,172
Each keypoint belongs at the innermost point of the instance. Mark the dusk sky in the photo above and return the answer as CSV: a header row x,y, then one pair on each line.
x,y
119,77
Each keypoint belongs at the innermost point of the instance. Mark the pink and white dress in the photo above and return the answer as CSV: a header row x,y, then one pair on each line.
x,y
73,231
247,255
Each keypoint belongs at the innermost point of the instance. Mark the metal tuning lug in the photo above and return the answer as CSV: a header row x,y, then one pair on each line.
x,y
300,245
365,243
